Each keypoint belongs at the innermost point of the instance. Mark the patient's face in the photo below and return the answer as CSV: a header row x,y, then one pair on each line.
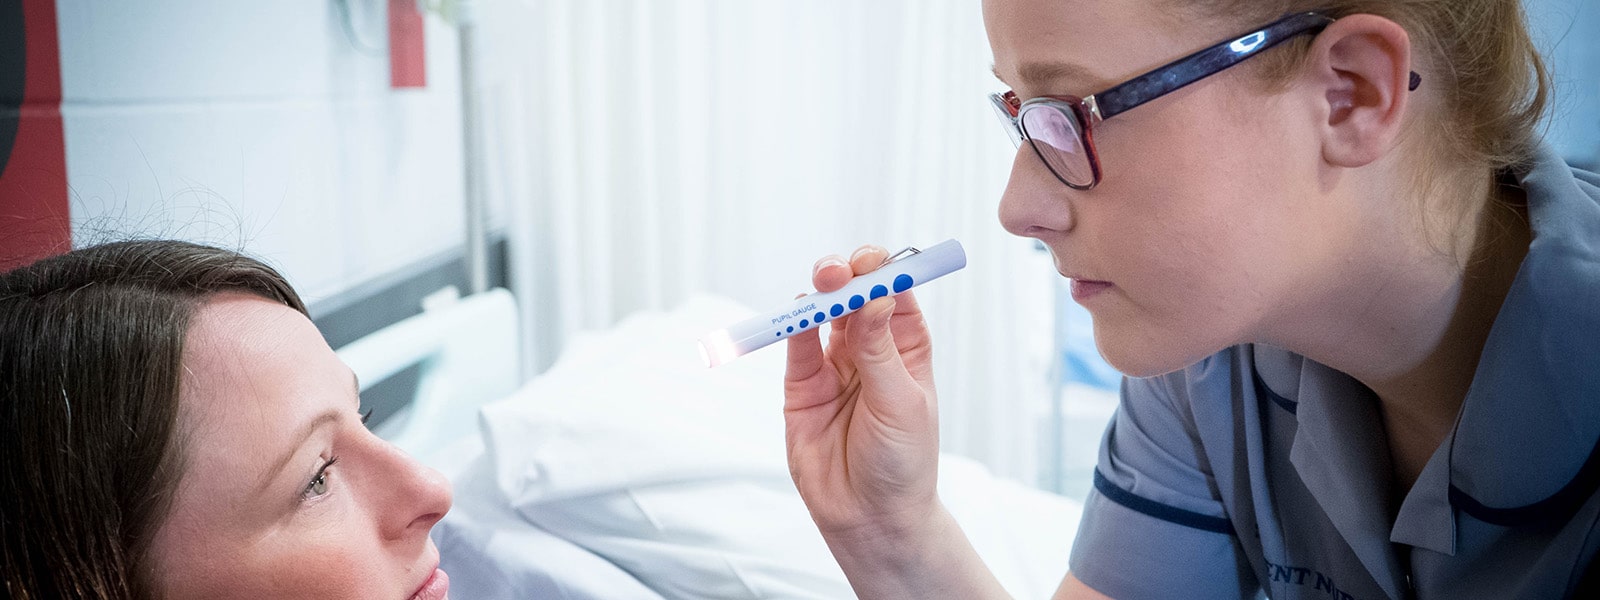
x,y
259,511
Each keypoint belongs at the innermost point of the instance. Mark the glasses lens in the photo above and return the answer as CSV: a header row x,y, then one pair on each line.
x,y
1008,119
1057,136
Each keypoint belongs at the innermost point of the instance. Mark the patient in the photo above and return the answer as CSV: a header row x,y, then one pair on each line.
x,y
173,426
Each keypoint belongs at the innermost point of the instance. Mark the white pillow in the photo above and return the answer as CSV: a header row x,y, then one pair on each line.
x,y
491,553
634,450
634,406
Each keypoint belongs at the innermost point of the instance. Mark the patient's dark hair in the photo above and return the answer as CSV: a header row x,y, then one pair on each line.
x,y
91,350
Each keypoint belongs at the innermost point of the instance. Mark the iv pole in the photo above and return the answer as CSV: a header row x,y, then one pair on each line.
x,y
464,14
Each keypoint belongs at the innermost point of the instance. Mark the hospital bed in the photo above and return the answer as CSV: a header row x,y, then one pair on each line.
x,y
629,470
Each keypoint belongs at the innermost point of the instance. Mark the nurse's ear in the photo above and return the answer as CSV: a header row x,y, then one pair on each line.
x,y
1361,66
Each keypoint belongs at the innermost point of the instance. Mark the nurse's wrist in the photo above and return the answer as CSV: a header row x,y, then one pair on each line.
x,y
929,556
894,530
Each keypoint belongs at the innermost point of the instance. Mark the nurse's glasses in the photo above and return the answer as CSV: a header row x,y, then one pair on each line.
x,y
1061,128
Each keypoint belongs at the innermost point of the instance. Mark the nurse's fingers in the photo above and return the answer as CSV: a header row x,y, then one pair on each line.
x,y
805,354
833,271
806,359
830,273
867,259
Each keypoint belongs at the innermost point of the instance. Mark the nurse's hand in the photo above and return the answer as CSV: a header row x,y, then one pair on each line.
x,y
863,432
861,416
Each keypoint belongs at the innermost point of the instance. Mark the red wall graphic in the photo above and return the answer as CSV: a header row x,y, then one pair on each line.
x,y
407,56
34,219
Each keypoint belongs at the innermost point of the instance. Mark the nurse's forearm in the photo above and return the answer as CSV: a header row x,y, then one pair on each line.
x,y
933,561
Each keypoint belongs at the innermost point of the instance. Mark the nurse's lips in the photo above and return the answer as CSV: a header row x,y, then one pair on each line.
x,y
436,587
1084,289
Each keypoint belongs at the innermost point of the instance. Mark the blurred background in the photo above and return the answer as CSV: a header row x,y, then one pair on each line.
x,y
596,157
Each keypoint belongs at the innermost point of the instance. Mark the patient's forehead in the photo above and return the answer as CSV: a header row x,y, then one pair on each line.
x,y
248,348
253,371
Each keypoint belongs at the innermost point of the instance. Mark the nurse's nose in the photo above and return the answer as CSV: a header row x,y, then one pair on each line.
x,y
1035,203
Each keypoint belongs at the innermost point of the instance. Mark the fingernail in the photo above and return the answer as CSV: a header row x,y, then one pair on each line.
x,y
860,251
831,261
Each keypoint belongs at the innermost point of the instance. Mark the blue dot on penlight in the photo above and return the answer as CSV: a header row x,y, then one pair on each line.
x,y
818,319
791,329
804,323
838,309
903,283
856,301
879,291
778,334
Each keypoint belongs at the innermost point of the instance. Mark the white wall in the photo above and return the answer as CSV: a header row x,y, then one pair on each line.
x,y
261,125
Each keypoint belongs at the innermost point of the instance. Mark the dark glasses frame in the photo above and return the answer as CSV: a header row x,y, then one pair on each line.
x,y
1092,109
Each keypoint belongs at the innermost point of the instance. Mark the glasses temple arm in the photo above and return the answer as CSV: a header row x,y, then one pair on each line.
x,y
1202,64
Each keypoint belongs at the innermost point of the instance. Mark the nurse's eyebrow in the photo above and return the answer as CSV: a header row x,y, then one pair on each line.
x,y
1047,75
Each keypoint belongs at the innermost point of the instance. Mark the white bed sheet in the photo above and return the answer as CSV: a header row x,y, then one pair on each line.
x,y
629,470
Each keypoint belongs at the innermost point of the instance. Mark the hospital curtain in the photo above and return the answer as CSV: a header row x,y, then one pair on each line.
x,y
644,151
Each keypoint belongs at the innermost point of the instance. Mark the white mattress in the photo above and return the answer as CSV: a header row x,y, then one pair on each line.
x,y
629,470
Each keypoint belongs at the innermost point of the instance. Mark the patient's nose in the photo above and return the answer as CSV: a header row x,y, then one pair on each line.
x,y
417,495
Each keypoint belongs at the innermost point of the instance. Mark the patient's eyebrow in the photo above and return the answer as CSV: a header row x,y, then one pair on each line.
x,y
300,437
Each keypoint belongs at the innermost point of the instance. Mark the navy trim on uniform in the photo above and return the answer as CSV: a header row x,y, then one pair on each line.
x,y
1263,390
1555,509
1158,510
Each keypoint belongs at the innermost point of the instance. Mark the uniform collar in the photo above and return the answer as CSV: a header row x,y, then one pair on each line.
x,y
1342,456
1524,450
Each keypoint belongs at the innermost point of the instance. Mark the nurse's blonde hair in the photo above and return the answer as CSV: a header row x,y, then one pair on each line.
x,y
1477,55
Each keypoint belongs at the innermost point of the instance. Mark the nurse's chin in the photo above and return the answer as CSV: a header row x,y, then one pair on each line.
x,y
1147,358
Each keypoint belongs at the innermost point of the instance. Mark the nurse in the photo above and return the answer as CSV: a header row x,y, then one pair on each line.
x,y
1357,301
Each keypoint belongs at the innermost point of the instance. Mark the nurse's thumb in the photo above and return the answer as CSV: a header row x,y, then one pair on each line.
x,y
872,344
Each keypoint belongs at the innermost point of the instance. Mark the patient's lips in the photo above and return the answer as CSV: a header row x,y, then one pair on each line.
x,y
437,587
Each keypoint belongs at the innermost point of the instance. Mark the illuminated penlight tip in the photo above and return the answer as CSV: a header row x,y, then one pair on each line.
x,y
717,349
705,356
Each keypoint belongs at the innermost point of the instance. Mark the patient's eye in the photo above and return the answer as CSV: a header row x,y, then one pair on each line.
x,y
318,484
